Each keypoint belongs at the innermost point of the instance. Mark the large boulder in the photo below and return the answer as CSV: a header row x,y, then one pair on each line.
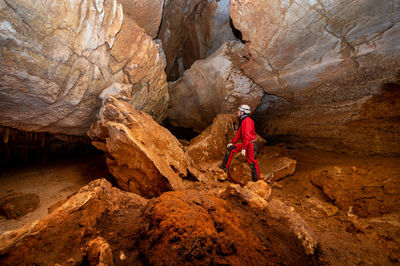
x,y
212,86
192,227
15,205
55,61
211,144
143,156
258,196
362,190
147,14
274,169
89,224
323,65
271,169
192,30
102,225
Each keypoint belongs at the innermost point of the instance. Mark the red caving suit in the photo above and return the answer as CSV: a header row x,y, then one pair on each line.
x,y
247,134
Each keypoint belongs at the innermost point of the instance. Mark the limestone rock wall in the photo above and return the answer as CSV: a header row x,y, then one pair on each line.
x,y
212,86
143,157
55,61
325,61
192,30
147,14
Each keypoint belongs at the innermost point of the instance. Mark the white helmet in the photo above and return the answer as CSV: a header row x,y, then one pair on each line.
x,y
245,108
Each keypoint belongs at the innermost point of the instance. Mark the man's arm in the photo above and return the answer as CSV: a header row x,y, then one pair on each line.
x,y
237,137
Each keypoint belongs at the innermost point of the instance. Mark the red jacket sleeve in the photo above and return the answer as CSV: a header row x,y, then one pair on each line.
x,y
237,137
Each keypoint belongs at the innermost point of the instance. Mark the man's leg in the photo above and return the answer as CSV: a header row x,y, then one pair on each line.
x,y
251,155
228,156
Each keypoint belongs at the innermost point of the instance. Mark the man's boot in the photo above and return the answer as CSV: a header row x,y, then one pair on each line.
x,y
226,158
254,175
225,161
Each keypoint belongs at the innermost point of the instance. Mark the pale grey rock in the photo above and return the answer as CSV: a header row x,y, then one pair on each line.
x,y
212,86
55,61
326,60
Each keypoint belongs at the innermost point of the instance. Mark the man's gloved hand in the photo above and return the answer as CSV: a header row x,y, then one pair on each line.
x,y
229,145
244,152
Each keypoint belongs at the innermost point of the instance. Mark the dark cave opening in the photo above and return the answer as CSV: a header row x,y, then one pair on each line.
x,y
22,149
180,133
237,33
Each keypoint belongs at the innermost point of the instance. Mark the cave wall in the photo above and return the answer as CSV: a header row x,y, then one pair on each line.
x,y
146,14
56,59
192,30
326,62
215,85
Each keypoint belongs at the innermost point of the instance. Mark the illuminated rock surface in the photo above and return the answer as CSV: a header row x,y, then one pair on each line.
x,y
143,157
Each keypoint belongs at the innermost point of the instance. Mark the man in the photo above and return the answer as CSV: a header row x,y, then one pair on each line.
x,y
247,134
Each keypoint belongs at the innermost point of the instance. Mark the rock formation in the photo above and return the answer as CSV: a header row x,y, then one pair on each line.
x,y
212,86
137,59
15,205
90,220
146,14
192,30
55,61
257,196
211,143
143,157
101,224
358,189
325,61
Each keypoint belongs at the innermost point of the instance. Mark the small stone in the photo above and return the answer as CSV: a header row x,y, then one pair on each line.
x,y
122,256
16,205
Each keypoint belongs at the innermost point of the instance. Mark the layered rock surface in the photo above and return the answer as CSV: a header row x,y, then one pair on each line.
x,y
359,190
325,61
212,86
71,230
207,150
101,224
55,61
192,30
143,157
147,14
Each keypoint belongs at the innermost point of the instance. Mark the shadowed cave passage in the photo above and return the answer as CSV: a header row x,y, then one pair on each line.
x,y
20,148
180,133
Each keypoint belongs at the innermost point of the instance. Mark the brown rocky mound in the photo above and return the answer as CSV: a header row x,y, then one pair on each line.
x,y
101,224
190,227
66,235
359,189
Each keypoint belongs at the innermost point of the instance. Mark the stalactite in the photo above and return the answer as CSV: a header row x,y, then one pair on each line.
x,y
6,135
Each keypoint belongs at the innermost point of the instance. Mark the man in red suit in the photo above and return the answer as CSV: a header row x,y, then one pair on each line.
x,y
248,147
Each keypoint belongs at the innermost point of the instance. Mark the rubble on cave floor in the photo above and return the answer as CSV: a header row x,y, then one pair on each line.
x,y
219,222
349,202
320,208
226,226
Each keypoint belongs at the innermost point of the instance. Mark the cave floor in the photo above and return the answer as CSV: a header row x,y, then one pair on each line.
x,y
52,182
370,240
